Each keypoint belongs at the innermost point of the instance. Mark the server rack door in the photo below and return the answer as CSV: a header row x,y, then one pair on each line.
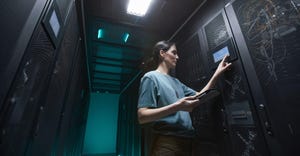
x,y
245,135
193,70
23,101
268,34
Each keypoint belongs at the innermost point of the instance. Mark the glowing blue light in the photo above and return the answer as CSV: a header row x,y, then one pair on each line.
x,y
100,33
125,37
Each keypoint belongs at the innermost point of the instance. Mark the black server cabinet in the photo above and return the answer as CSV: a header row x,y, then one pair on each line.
x,y
229,125
43,111
193,70
241,126
19,111
129,138
268,35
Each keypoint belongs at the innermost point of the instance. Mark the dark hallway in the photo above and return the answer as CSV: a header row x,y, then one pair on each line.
x,y
71,71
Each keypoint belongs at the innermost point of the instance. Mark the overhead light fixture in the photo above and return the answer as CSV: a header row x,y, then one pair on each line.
x,y
138,7
125,37
100,33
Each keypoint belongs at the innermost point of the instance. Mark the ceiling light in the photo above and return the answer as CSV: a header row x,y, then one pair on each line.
x,y
138,7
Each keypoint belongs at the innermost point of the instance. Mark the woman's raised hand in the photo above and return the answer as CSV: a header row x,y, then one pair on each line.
x,y
223,66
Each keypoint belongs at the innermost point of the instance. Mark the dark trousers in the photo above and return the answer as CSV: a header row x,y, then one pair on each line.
x,y
172,146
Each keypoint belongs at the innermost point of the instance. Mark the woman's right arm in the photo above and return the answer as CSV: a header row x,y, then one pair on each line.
x,y
146,115
222,67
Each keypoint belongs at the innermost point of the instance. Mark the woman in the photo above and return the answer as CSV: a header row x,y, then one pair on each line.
x,y
166,102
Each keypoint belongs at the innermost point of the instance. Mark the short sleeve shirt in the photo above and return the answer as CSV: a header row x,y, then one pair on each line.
x,y
159,90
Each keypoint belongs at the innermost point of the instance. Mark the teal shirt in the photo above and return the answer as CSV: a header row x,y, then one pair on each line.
x,y
158,90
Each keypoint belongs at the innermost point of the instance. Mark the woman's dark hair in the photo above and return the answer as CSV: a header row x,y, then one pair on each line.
x,y
155,59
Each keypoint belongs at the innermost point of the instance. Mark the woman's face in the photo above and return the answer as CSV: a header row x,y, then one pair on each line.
x,y
170,57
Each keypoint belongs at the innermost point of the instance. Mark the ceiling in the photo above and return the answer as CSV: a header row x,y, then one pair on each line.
x,y
114,62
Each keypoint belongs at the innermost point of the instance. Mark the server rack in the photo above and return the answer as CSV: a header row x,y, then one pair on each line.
x,y
257,112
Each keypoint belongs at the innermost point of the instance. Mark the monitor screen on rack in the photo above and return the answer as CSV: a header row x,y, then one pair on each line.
x,y
220,54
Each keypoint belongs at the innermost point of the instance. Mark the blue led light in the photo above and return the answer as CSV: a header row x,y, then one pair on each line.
x,y
100,33
125,37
